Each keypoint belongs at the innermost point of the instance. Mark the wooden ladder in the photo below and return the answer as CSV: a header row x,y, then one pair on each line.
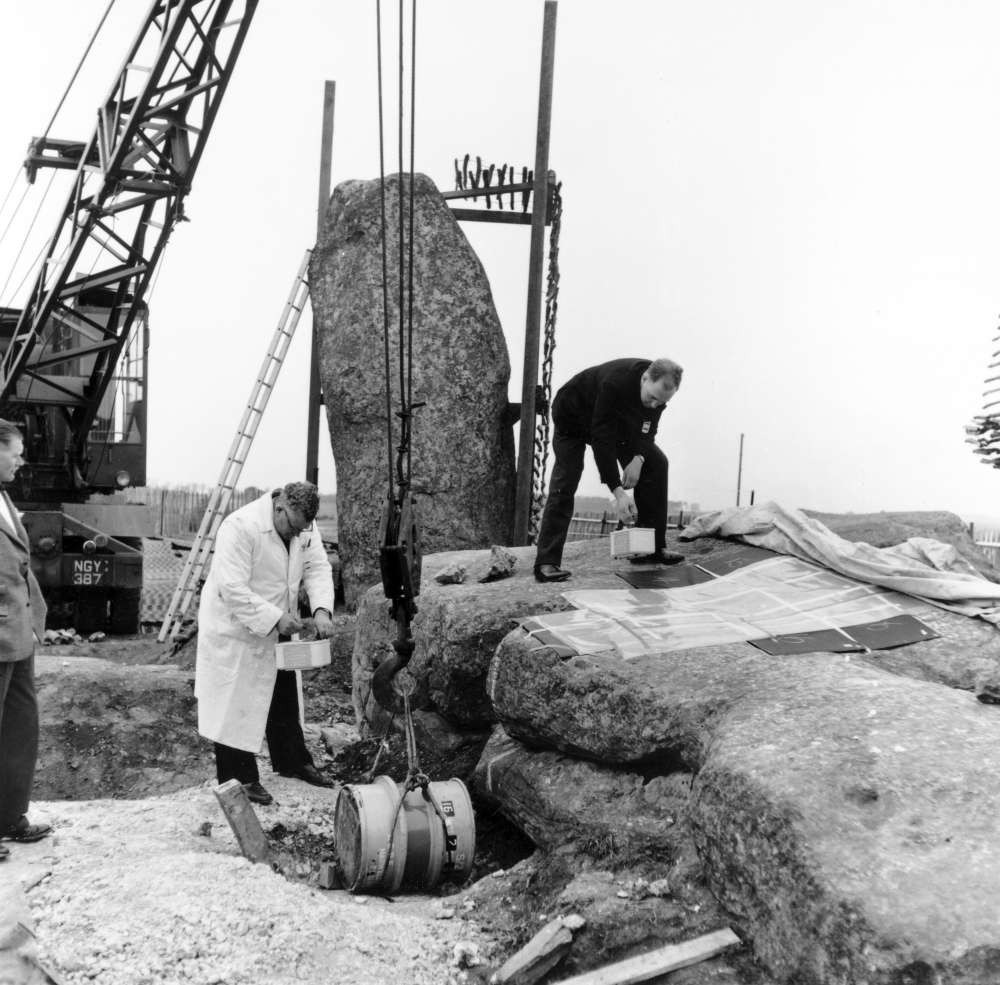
x,y
218,504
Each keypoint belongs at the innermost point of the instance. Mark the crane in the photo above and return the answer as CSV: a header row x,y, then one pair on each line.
x,y
85,314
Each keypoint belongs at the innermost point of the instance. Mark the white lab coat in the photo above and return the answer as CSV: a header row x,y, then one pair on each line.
x,y
252,581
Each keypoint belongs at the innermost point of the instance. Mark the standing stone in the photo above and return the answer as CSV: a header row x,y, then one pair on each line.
x,y
462,449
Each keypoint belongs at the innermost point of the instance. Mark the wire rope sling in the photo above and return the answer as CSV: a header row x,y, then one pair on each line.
x,y
417,832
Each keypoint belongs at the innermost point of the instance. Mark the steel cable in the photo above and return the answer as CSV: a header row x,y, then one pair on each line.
x,y
385,257
83,58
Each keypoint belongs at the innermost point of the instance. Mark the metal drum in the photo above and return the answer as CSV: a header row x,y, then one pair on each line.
x,y
428,847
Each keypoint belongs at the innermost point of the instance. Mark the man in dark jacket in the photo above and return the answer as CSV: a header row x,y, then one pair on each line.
x,y
615,408
22,623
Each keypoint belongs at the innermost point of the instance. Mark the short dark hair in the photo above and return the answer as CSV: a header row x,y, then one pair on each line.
x,y
665,367
302,497
9,431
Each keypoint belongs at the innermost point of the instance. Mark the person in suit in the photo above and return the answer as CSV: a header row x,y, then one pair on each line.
x,y
615,408
22,625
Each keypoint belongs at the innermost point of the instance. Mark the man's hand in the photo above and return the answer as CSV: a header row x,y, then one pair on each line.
x,y
289,624
625,507
324,624
632,472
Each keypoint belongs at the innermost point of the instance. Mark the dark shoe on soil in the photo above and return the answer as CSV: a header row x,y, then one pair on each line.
x,y
550,572
25,831
257,794
4,852
659,557
311,775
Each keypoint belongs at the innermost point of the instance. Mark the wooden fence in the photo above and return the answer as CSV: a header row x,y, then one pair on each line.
x,y
178,511
988,541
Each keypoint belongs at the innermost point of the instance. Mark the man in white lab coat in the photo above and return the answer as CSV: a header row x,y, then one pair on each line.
x,y
263,553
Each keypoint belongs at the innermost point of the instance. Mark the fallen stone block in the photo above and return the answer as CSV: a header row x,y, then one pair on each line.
x,y
557,800
848,817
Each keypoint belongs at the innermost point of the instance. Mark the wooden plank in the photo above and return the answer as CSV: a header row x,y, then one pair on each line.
x,y
491,215
538,957
250,836
655,963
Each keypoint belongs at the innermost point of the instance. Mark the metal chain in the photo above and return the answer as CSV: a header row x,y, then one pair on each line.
x,y
542,423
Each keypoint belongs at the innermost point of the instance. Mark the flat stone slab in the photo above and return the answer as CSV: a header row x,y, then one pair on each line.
x,y
459,626
848,817
557,799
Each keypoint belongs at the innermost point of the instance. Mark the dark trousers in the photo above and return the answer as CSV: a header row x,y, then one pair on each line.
x,y
650,496
18,738
285,742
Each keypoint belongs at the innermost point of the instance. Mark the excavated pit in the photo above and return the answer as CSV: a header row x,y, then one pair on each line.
x,y
118,723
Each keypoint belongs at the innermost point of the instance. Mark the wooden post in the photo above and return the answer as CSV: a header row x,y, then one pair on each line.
x,y
315,391
739,472
538,957
532,332
655,964
250,836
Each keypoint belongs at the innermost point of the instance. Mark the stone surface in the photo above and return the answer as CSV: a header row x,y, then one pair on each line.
x,y
114,730
462,451
457,628
844,814
557,800
848,817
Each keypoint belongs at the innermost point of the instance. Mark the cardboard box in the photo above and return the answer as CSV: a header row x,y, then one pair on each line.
x,y
301,655
631,541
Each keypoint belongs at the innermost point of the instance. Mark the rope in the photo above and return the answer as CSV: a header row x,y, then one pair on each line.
x,y
548,348
383,747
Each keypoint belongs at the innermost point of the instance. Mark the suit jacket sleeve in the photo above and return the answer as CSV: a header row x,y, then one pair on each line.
x,y
604,427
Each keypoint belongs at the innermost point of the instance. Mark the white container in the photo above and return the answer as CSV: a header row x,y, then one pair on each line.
x,y
630,541
301,655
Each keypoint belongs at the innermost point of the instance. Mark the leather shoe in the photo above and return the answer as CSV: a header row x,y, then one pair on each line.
x,y
257,794
311,775
25,831
550,572
662,556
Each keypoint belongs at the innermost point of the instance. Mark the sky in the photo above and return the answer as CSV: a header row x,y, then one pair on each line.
x,y
796,201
